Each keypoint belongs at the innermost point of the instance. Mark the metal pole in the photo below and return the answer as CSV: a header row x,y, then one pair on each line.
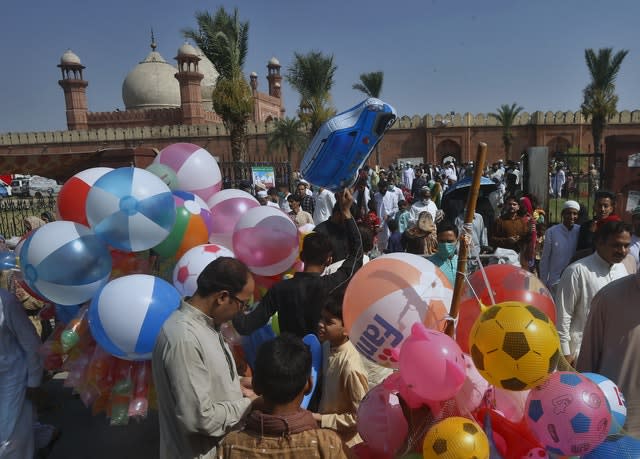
x,y
461,271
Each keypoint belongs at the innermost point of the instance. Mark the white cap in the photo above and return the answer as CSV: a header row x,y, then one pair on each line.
x,y
571,205
262,194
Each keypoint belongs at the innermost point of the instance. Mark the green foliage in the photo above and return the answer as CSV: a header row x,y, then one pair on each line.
x,y
599,98
506,115
312,75
287,133
370,84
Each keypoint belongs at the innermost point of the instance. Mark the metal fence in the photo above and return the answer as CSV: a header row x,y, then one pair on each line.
x,y
13,211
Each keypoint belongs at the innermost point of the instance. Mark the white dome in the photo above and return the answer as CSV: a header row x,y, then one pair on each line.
x,y
69,57
254,74
274,61
151,84
205,66
187,50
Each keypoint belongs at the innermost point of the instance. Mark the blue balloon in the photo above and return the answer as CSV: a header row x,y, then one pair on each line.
x,y
7,261
65,313
251,343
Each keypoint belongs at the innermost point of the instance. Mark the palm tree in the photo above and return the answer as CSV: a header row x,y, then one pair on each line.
x,y
288,133
600,100
223,38
506,115
312,75
371,85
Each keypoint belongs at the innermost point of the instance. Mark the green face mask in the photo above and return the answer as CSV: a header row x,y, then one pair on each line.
x,y
446,249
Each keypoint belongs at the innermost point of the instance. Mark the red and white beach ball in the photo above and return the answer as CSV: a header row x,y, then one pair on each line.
x,y
387,296
131,209
192,263
65,262
72,199
266,240
227,206
197,170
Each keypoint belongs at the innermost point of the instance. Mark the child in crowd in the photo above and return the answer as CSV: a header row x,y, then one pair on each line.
x,y
344,378
276,425
395,240
402,217
540,230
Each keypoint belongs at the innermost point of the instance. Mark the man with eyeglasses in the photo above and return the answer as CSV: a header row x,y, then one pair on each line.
x,y
200,394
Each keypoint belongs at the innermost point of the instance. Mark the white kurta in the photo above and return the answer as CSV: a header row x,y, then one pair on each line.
x,y
20,367
324,206
420,206
578,284
407,177
386,207
559,246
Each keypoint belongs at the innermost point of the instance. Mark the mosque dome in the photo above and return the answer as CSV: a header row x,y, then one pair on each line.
x,y
206,67
274,61
187,50
70,58
151,84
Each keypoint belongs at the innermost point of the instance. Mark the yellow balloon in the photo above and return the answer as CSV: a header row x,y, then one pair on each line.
x,y
514,345
455,438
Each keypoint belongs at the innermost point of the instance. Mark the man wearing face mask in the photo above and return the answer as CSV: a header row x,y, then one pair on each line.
x,y
446,258
423,204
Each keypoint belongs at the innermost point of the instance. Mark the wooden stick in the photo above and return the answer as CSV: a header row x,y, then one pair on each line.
x,y
472,198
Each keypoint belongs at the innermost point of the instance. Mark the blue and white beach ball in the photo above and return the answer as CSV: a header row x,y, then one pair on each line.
x,y
65,262
615,400
131,209
126,316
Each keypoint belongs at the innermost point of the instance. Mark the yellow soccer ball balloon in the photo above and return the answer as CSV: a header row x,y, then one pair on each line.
x,y
455,438
514,345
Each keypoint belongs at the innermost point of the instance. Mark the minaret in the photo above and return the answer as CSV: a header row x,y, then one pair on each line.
x,y
253,82
274,78
189,79
75,91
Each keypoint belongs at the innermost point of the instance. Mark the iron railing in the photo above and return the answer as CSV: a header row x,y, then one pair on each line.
x,y
13,211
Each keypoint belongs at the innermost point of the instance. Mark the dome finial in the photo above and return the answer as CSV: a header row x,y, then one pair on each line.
x,y
153,41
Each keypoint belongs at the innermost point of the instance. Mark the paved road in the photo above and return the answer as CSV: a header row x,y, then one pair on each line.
x,y
91,437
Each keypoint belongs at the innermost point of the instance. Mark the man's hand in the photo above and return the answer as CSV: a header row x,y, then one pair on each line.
x,y
248,393
571,360
346,201
317,417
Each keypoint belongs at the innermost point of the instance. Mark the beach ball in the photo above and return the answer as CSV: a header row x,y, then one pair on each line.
x,y
72,199
431,364
514,345
508,283
196,168
615,401
192,263
126,315
65,262
131,209
227,206
455,438
381,422
568,414
266,240
164,173
387,296
190,228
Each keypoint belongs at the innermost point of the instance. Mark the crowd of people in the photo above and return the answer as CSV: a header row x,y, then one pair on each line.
x,y
208,409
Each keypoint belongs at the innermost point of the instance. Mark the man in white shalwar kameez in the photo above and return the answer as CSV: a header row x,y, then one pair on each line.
x,y
20,375
386,208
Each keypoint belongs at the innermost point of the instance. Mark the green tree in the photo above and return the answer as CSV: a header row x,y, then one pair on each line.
x,y
371,85
223,38
311,75
506,115
600,100
288,133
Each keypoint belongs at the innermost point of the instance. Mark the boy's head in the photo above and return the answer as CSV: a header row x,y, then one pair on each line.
x,y
393,225
283,370
316,249
331,326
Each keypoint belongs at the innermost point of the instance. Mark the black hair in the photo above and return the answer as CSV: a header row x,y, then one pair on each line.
x,y
366,234
224,273
316,248
446,225
282,368
333,305
392,224
611,228
272,191
603,194
294,197
402,203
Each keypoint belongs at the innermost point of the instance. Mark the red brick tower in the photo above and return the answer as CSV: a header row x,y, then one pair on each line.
x,y
189,78
273,77
75,91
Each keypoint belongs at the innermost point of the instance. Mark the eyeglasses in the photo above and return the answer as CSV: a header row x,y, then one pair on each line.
x,y
242,304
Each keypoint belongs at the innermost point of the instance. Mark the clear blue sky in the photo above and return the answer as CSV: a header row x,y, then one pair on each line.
x,y
437,55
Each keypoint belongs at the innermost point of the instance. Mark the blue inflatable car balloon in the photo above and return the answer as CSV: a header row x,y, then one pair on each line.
x,y
343,143
7,261
315,347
